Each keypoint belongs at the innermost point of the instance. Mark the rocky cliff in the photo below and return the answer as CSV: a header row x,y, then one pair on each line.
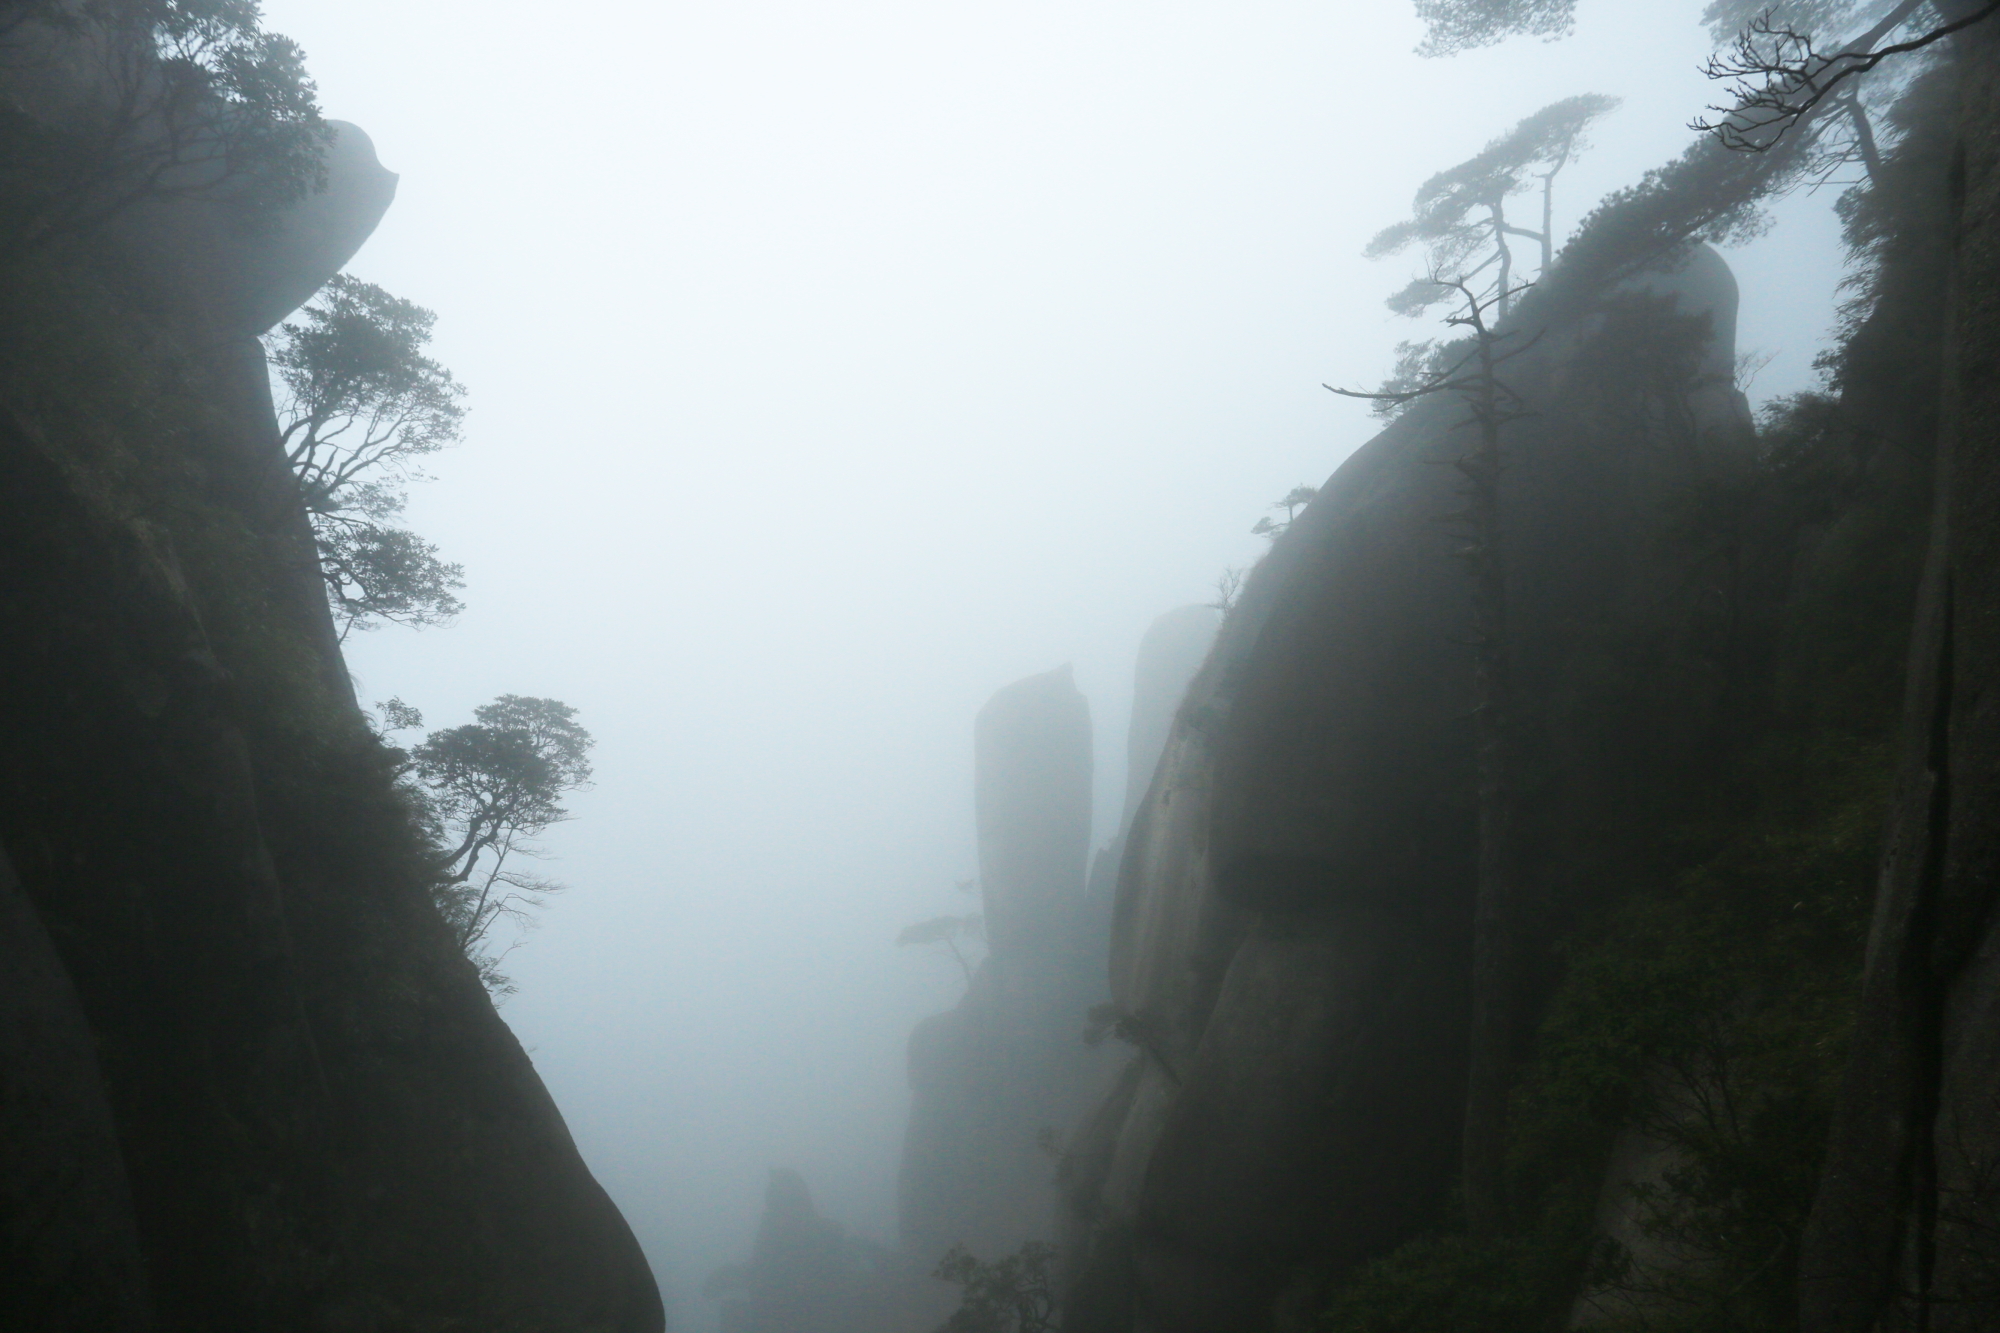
x,y
805,1275
1291,946
249,1083
1751,1075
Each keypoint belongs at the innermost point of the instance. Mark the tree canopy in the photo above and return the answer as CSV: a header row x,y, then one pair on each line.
x,y
361,403
1825,19
1452,26
1014,1294
160,97
483,791
1291,502
1459,215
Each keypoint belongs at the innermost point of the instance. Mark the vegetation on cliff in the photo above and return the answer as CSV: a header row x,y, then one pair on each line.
x,y
1699,973
319,1118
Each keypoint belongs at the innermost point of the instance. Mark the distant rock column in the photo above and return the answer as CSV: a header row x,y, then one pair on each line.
x,y
1000,1080
1031,800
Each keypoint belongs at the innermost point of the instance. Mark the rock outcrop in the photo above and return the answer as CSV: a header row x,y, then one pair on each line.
x,y
69,1252
250,1082
1170,653
1291,940
999,1081
1905,1231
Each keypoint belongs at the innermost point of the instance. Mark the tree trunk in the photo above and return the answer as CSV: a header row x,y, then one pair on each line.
x,y
1506,262
1490,1063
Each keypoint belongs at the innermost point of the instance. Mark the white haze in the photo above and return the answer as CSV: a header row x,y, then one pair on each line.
x,y
836,364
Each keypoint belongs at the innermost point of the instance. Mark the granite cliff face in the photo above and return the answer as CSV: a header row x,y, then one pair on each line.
x,y
1292,927
1905,1228
249,1082
1170,653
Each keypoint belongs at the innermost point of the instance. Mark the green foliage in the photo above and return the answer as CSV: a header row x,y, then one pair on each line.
x,y
1827,20
1699,981
361,405
484,791
1459,214
1015,1294
1444,205
1896,225
149,98
375,574
1452,26
1453,1284
1708,1018
1419,363
1291,502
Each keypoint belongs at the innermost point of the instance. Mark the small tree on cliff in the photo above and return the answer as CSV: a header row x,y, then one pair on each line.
x,y
1291,502
948,930
1469,371
152,98
360,405
484,791
1460,214
1015,1294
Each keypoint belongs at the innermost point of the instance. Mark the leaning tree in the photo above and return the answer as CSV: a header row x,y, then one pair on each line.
x,y
1460,217
360,405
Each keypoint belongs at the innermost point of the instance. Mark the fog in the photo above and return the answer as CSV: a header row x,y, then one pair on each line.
x,y
835,365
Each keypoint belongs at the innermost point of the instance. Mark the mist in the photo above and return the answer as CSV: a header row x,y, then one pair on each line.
x,y
885,668
833,366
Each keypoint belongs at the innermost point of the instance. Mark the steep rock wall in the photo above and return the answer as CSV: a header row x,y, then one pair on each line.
x,y
319,1119
1291,940
1170,654
1903,1230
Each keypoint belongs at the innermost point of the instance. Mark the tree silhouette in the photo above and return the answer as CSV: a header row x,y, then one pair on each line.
x,y
484,791
186,98
1781,76
1459,215
1291,502
1452,26
1016,1294
360,404
948,931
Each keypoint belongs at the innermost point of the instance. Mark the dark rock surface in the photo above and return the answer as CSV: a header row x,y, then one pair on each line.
x,y
1291,937
273,1050
805,1275
1905,1232
69,1253
1170,653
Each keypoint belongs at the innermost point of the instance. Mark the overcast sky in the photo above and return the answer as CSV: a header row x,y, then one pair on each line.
x,y
835,364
